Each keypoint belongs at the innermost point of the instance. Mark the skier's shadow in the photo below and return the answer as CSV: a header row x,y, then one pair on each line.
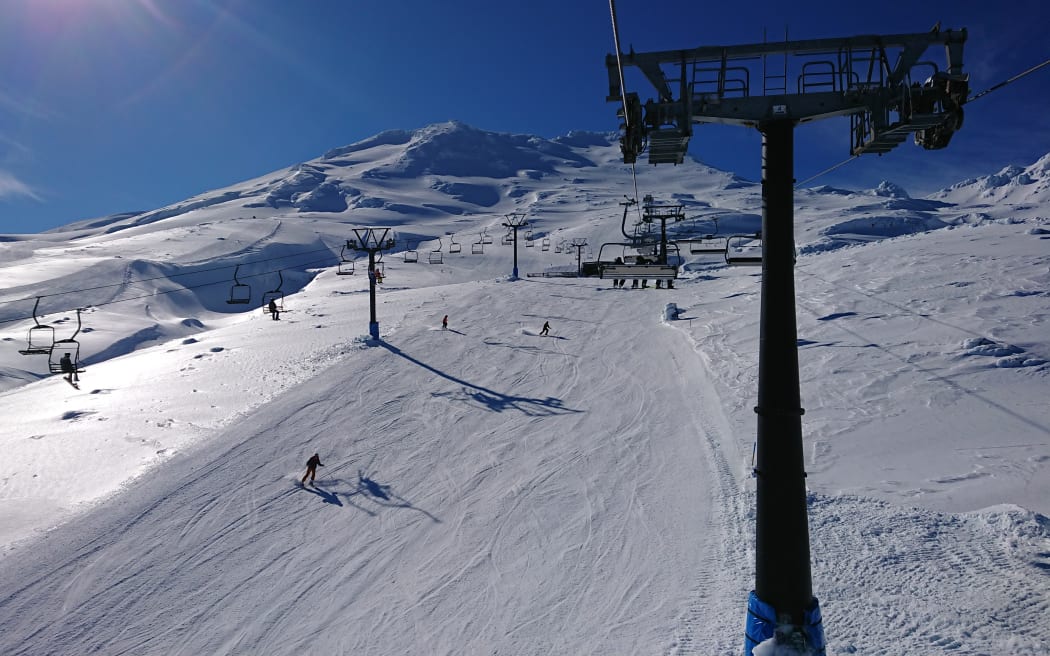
x,y
326,496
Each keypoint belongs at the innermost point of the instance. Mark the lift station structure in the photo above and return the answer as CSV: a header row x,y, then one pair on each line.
x,y
889,92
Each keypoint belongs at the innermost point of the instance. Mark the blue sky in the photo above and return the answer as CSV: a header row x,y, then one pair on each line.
x,y
110,106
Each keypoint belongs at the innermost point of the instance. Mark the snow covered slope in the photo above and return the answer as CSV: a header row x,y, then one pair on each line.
x,y
488,490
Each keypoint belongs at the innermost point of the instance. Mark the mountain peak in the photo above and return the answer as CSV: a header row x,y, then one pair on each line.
x,y
888,189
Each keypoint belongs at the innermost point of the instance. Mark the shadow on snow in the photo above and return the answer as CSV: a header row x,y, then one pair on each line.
x,y
495,401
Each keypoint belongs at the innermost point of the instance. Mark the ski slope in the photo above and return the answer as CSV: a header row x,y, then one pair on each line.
x,y
485,490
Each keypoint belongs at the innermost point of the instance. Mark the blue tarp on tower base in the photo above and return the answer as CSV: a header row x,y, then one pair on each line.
x,y
762,625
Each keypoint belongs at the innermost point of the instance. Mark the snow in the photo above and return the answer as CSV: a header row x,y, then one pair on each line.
x,y
489,490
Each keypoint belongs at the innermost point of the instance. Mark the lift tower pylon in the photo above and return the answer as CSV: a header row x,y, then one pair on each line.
x,y
372,241
514,221
888,93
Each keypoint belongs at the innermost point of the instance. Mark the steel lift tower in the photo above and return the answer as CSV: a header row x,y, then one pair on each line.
x,y
889,93
372,241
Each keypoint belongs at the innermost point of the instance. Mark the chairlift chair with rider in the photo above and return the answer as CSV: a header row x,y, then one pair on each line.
x,y
66,349
275,295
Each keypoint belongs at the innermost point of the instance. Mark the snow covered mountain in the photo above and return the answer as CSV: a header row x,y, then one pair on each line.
x,y
486,489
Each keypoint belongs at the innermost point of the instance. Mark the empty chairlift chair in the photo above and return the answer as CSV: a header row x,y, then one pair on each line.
x,y
744,250
453,245
41,336
411,254
435,255
545,244
708,245
240,293
346,267
478,247
529,241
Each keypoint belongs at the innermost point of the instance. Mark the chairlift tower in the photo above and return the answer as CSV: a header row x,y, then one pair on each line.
x,y
514,221
653,211
889,93
579,243
372,241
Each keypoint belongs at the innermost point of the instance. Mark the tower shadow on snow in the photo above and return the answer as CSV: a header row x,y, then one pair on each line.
x,y
383,496
495,401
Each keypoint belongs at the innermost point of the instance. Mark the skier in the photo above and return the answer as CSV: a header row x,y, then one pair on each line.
x,y
444,323
274,312
66,364
546,328
311,468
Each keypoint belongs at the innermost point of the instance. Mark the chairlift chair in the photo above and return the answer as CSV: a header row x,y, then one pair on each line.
x,y
453,245
240,293
545,244
478,247
346,267
275,295
63,347
41,337
435,256
744,250
486,238
530,242
508,238
60,349
708,245
411,254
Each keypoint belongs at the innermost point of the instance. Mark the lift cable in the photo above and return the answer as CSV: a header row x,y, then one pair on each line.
x,y
1003,84
623,95
969,100
174,275
827,170
160,293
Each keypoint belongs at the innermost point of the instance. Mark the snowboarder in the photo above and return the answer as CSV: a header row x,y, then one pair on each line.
x,y
274,312
311,468
546,328
444,323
